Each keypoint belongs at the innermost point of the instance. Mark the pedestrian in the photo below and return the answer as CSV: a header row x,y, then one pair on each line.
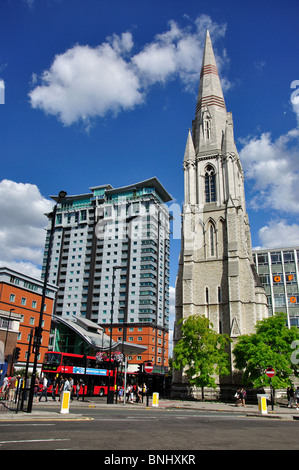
x,y
54,388
71,386
243,391
5,387
138,393
144,390
297,398
66,387
78,389
237,397
36,388
61,387
291,396
12,388
131,393
120,393
45,389
128,393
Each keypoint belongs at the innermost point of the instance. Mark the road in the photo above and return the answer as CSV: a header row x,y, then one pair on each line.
x,y
131,430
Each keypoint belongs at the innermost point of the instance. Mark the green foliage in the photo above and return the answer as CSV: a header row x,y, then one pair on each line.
x,y
201,351
270,346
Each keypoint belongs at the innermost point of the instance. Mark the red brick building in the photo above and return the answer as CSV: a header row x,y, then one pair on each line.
x,y
21,294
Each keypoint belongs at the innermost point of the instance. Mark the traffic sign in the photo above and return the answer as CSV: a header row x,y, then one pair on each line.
x,y
270,372
148,367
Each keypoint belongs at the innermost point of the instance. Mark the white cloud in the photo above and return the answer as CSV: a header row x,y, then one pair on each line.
x,y
22,234
279,233
86,82
273,166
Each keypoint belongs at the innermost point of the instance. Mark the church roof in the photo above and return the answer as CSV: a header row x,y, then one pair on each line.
x,y
210,90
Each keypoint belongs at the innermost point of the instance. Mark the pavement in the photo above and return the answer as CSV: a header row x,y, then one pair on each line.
x,y
51,410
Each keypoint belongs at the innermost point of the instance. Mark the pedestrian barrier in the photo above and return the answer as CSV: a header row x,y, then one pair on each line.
x,y
65,402
155,399
262,403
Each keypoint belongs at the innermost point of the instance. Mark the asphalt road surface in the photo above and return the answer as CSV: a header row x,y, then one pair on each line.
x,y
150,430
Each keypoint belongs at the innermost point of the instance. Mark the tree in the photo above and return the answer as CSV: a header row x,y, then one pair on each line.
x,y
201,351
271,346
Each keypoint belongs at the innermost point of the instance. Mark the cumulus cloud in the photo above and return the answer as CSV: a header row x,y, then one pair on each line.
x,y
279,233
273,168
85,82
22,237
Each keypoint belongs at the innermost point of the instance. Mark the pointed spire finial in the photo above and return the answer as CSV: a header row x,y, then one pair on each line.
x,y
189,150
210,116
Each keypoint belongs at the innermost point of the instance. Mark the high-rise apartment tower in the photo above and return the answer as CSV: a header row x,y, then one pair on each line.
x,y
110,257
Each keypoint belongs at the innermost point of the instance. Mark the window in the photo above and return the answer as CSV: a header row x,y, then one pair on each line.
x,y
210,184
23,301
33,303
12,297
212,241
207,128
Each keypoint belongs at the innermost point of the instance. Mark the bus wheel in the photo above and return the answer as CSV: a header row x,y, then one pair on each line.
x,y
101,392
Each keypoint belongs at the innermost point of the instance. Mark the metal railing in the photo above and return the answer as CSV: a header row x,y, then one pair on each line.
x,y
15,399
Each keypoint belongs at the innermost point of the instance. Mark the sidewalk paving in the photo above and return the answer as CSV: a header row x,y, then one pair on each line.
x,y
51,410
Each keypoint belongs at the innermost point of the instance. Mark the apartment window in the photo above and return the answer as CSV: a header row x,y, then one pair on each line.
x,y
12,297
32,320
33,303
23,301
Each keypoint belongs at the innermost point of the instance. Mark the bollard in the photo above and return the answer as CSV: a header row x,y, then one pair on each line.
x,y
65,402
155,399
262,404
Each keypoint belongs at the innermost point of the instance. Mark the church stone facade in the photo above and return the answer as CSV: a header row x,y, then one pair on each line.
x,y
216,275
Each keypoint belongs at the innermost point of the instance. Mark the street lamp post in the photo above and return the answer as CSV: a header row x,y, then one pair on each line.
x,y
38,330
11,310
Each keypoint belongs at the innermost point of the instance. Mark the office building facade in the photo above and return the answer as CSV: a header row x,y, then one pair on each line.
x,y
110,258
278,271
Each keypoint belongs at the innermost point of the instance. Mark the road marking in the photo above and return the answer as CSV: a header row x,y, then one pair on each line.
x,y
21,424
33,440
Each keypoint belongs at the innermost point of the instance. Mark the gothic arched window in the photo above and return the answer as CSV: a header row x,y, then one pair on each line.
x,y
210,184
212,241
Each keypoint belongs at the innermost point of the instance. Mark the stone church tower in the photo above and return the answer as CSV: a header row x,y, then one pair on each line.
x,y
216,275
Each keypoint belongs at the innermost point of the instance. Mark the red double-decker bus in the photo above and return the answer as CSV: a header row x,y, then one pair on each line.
x,y
92,376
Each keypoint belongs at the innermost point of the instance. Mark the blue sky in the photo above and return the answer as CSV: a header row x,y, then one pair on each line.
x,y
105,92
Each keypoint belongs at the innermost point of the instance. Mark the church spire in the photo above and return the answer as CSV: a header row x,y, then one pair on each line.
x,y
210,116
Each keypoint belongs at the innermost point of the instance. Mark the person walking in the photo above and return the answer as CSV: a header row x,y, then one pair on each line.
x,y
45,389
54,388
36,389
71,385
61,387
291,396
78,385
297,398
